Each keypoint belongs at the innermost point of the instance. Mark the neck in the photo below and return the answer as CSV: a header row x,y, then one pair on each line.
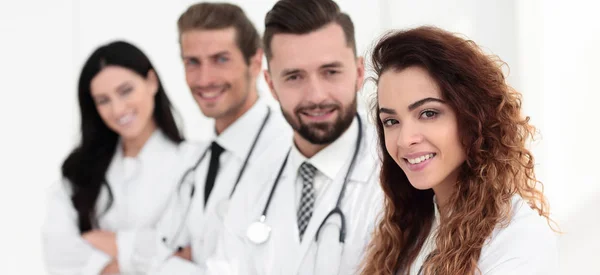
x,y
133,146
305,147
222,123
443,192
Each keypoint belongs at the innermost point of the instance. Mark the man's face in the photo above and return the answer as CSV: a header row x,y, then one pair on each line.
x,y
315,78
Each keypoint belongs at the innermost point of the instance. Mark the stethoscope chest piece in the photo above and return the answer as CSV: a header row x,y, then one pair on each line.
x,y
258,232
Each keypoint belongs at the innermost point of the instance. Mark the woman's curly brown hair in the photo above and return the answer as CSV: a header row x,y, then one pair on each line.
x,y
497,167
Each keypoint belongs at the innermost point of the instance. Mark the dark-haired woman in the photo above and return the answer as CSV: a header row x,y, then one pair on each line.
x,y
118,180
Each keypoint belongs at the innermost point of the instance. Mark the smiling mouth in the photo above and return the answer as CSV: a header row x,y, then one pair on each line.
x,y
126,119
318,113
420,159
211,94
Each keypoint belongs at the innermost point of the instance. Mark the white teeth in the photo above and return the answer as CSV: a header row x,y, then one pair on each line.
x,y
420,159
210,95
321,113
126,119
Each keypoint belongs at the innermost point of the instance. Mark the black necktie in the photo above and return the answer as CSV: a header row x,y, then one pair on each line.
x,y
213,169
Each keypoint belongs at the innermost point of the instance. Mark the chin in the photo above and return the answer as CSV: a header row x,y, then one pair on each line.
x,y
421,184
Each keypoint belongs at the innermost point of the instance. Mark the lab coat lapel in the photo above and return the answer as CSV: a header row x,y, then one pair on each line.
x,y
285,228
321,210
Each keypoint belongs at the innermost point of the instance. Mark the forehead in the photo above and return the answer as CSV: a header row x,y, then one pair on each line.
x,y
208,42
404,87
111,77
311,50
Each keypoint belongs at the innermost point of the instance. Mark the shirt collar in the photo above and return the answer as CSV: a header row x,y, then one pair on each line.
x,y
332,158
240,135
154,142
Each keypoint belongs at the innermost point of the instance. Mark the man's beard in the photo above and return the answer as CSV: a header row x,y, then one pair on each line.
x,y
322,133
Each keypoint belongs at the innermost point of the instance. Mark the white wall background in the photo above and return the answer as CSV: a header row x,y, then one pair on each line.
x,y
552,47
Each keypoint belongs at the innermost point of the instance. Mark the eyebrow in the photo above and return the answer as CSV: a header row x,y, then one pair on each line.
x,y
221,53
419,103
412,106
287,72
335,64
192,57
387,111
123,85
332,65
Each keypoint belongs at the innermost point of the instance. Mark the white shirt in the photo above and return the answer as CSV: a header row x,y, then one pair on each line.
x,y
141,187
202,224
526,246
284,253
328,162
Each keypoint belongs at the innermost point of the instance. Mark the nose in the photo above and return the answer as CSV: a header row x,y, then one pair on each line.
x,y
203,76
118,107
316,91
409,135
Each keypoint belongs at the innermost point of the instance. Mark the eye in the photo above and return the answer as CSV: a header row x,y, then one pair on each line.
x,y
222,59
126,91
428,114
293,77
331,72
191,61
389,122
101,101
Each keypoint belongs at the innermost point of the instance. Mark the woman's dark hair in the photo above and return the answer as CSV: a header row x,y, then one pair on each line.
x,y
86,165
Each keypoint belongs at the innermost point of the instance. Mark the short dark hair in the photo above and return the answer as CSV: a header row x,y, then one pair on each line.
x,y
216,16
305,16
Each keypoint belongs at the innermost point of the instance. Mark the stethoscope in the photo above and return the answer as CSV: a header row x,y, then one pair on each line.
x,y
189,176
259,232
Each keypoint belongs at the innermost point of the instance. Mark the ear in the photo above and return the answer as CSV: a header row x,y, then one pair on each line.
x,y
269,81
360,72
152,81
256,63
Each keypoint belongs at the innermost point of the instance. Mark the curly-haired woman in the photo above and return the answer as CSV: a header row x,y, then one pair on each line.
x,y
461,193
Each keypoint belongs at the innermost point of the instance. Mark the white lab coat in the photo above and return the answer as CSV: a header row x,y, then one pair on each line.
x,y
201,226
526,246
283,253
141,189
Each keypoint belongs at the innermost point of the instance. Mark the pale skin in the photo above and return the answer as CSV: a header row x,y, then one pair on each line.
x,y
327,71
417,122
222,83
121,94
214,64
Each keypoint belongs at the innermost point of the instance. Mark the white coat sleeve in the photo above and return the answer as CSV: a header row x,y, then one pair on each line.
x,y
225,260
64,250
142,250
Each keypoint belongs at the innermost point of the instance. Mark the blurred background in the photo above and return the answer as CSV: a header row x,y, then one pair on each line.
x,y
552,49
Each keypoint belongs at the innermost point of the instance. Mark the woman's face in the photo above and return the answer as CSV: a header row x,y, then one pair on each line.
x,y
420,129
125,100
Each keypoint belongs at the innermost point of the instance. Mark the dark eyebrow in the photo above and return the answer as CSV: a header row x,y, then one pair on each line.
x,y
221,53
123,86
331,65
423,101
287,72
387,111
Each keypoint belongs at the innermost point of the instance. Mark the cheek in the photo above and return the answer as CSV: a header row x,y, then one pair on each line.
x,y
105,113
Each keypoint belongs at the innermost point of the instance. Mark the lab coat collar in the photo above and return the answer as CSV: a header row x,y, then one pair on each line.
x,y
157,143
332,158
240,135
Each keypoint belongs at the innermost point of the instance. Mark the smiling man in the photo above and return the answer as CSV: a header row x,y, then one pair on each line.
x,y
314,213
222,56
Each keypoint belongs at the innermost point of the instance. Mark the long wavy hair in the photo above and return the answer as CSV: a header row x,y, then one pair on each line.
x,y
498,165
86,165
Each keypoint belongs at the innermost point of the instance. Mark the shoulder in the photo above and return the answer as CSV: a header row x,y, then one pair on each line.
x,y
527,243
